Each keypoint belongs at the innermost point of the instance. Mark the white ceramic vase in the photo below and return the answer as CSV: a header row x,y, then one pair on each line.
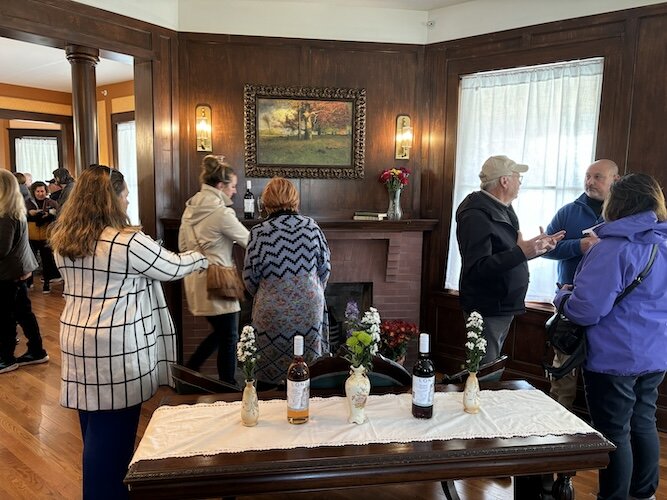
x,y
357,389
471,401
249,405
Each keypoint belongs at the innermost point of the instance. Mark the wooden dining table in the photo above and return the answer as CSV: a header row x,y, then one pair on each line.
x,y
335,467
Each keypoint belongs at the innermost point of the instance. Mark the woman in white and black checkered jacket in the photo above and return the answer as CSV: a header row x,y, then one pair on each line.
x,y
116,334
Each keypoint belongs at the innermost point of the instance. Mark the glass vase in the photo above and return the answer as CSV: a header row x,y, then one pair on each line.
x,y
357,389
249,405
394,212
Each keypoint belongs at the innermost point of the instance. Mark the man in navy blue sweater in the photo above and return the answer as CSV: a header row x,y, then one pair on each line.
x,y
575,217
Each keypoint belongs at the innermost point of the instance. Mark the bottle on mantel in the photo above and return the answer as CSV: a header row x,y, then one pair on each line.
x,y
298,386
248,202
423,381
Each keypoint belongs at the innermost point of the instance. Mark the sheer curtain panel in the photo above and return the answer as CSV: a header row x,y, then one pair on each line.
x,y
127,164
37,156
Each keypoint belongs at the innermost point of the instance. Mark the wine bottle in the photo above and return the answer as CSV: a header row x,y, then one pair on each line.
x,y
298,386
248,202
423,381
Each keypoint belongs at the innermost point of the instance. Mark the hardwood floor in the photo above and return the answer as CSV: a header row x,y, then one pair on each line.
x,y
40,445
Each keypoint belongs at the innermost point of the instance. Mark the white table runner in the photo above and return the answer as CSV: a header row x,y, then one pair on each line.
x,y
209,429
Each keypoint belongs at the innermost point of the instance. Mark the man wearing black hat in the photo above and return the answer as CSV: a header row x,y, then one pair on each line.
x,y
494,255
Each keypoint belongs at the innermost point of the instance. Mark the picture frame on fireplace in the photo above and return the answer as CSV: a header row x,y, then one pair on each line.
x,y
304,132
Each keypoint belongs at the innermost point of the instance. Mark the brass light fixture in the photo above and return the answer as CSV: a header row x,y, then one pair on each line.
x,y
203,127
403,137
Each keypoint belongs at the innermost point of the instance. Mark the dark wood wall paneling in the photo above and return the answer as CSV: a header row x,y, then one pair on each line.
x,y
215,68
631,132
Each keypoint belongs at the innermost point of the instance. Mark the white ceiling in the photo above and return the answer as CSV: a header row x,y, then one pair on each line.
x,y
420,5
32,65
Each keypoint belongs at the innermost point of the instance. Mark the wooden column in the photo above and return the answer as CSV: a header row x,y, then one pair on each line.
x,y
84,104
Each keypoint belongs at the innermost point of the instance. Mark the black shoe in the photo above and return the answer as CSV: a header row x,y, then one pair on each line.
x,y
46,288
8,367
32,359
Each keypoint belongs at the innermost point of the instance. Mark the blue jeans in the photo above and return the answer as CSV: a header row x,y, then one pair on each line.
x,y
623,409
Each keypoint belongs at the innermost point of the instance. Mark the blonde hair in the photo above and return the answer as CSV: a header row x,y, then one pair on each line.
x,y
214,171
12,204
280,194
93,205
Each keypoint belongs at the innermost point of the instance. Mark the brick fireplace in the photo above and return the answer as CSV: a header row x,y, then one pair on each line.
x,y
385,255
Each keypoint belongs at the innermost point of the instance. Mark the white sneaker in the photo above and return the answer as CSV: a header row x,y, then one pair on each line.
x,y
56,280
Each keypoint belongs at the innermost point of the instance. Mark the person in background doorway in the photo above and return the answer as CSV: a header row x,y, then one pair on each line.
x,y
494,255
54,190
286,269
116,335
575,217
210,225
16,264
41,214
23,185
66,182
627,342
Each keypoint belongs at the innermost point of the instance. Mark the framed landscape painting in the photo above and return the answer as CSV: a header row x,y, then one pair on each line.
x,y
304,132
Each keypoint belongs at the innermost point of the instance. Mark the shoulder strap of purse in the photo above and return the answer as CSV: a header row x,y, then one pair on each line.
x,y
636,282
194,234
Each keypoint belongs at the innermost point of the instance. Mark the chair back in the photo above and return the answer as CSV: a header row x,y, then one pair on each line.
x,y
488,372
328,372
192,382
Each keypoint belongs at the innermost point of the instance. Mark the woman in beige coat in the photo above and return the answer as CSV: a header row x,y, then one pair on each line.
x,y
209,225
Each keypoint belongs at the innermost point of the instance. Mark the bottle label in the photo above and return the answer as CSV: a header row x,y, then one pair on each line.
x,y
423,389
249,205
298,394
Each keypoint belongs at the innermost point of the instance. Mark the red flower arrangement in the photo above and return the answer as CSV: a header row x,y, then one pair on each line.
x,y
394,337
394,178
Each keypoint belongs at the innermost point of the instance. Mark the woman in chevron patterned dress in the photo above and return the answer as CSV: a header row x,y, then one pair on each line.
x,y
286,269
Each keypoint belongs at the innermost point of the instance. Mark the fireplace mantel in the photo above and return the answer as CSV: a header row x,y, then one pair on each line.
x,y
387,254
367,225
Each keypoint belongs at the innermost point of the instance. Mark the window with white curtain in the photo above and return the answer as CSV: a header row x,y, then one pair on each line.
x,y
37,156
544,116
127,164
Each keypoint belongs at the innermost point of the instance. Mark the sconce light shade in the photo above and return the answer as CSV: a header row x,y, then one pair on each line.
x,y
203,127
403,137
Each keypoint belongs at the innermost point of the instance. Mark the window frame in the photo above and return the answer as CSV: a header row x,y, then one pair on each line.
x,y
20,133
605,146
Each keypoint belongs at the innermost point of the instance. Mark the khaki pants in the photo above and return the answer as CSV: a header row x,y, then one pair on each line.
x,y
564,390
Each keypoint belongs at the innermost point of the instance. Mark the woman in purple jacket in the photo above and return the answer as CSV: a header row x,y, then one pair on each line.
x,y
627,342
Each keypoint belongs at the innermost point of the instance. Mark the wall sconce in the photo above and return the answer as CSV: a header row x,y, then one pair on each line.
x,y
403,137
203,127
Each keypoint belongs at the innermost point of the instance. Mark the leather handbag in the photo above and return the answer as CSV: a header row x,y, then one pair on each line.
x,y
224,282
563,334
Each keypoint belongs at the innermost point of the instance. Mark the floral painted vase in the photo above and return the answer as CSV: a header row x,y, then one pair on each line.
x,y
249,405
471,400
357,389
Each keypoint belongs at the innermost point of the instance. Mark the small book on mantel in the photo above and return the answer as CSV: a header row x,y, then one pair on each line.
x,y
364,215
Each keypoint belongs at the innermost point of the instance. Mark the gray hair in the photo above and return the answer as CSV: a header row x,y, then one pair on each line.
x,y
489,185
